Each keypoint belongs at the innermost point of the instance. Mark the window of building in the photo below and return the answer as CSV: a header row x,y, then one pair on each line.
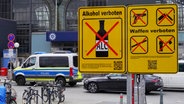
x,y
31,16
5,9
72,14
96,2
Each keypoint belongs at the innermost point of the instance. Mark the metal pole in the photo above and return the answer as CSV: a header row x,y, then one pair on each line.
x,y
136,90
11,11
56,14
30,25
121,99
129,88
133,92
16,59
161,95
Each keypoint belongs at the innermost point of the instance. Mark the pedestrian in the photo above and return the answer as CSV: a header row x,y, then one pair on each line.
x,y
10,70
10,65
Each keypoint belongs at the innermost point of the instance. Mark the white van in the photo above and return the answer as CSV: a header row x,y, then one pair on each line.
x,y
174,80
49,67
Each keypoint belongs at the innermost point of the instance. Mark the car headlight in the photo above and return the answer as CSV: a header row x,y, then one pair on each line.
x,y
85,81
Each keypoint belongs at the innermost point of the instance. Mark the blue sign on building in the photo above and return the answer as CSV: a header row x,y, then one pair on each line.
x,y
62,36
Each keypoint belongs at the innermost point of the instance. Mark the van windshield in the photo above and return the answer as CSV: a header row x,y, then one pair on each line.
x,y
75,61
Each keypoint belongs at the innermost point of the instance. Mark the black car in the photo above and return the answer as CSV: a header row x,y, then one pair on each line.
x,y
118,82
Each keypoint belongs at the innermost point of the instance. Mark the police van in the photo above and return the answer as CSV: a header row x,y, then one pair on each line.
x,y
49,67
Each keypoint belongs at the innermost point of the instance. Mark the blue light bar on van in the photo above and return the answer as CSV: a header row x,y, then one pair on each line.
x,y
39,52
63,51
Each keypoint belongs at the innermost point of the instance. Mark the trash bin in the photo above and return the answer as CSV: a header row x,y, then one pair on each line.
x,y
4,71
2,95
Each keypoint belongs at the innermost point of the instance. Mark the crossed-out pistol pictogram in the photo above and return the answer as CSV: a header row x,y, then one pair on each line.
x,y
165,41
139,16
102,38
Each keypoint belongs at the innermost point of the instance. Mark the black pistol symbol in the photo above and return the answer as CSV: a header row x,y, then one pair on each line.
x,y
161,43
137,16
164,16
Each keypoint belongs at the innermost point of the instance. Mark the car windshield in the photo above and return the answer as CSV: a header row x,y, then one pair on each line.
x,y
115,75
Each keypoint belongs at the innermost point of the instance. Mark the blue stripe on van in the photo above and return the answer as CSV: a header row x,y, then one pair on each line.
x,y
45,72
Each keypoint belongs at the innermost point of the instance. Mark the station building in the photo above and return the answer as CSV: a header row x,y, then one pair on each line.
x,y
51,25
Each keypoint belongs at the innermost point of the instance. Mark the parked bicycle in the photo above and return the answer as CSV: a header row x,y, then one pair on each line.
x,y
27,92
10,93
53,92
31,96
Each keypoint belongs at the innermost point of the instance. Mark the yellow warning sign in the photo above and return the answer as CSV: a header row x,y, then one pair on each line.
x,y
102,39
152,38
165,16
138,17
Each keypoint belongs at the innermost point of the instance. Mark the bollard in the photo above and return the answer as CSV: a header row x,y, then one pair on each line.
x,y
161,95
121,98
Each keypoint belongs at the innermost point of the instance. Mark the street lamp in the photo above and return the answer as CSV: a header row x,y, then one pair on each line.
x,y
16,45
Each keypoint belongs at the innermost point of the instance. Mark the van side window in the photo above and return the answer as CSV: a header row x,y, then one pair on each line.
x,y
46,61
30,62
181,67
75,61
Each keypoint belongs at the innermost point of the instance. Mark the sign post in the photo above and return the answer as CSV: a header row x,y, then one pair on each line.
x,y
102,39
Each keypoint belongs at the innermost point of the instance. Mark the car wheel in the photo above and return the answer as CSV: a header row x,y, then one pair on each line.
x,y
72,83
61,80
92,87
20,80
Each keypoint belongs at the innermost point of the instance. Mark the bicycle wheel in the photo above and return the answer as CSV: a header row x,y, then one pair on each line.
x,y
45,94
31,99
37,99
61,98
24,97
13,102
54,96
13,92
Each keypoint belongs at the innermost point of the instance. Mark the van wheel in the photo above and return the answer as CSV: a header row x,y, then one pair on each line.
x,y
62,80
20,80
72,83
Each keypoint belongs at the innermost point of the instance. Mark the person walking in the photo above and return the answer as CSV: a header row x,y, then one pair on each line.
x,y
10,70
10,65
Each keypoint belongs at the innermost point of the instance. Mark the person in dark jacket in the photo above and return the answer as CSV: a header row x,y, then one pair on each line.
x,y
10,70
10,65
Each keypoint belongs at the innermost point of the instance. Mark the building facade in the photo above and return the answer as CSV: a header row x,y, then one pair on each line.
x,y
43,17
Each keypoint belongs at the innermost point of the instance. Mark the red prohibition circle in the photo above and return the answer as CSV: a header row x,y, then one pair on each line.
x,y
11,37
10,45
